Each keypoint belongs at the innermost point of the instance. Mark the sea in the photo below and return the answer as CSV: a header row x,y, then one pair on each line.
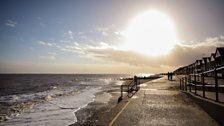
x,y
50,99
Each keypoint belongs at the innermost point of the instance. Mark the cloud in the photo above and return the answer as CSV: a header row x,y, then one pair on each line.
x,y
71,48
183,55
126,57
83,37
102,29
105,33
46,43
120,33
11,23
222,37
50,44
116,60
69,34
76,43
186,54
180,55
65,46
41,42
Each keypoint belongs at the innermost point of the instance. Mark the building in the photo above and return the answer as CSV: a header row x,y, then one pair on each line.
x,y
212,61
198,68
209,64
205,64
219,56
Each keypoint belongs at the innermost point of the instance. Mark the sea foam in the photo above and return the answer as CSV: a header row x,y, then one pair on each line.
x,y
56,112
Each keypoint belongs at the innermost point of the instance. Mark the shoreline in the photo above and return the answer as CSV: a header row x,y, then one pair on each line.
x,y
93,113
17,111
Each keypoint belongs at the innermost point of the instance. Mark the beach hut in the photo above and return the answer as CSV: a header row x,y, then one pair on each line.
x,y
198,64
179,71
194,68
191,68
204,64
219,56
208,64
212,61
183,70
186,70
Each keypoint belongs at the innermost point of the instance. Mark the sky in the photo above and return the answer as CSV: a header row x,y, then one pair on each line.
x,y
90,36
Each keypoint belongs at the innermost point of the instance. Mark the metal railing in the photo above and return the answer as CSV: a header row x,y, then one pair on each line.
x,y
197,82
131,88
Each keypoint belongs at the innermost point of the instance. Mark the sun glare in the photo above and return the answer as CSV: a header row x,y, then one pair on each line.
x,y
152,33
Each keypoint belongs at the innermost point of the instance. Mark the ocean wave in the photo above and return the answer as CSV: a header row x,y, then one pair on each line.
x,y
58,104
57,111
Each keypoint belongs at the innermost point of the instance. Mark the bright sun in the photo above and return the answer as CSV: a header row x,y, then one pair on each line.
x,y
152,33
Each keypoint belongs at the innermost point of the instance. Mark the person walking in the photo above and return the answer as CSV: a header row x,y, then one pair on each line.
x,y
168,75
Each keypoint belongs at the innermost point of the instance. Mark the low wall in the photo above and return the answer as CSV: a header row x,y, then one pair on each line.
x,y
214,109
212,89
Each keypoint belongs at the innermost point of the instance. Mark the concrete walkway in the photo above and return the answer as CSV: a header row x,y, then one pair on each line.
x,y
159,102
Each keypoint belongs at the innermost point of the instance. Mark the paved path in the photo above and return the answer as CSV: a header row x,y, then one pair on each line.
x,y
160,102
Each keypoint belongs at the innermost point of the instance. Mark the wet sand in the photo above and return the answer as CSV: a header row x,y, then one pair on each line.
x,y
91,114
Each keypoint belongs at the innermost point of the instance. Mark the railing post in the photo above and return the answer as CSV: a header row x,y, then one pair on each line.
x,y
195,87
138,85
198,77
190,83
184,81
128,90
122,91
180,83
185,84
189,80
216,87
203,84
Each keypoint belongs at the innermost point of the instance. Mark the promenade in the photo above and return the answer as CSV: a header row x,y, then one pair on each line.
x,y
158,102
